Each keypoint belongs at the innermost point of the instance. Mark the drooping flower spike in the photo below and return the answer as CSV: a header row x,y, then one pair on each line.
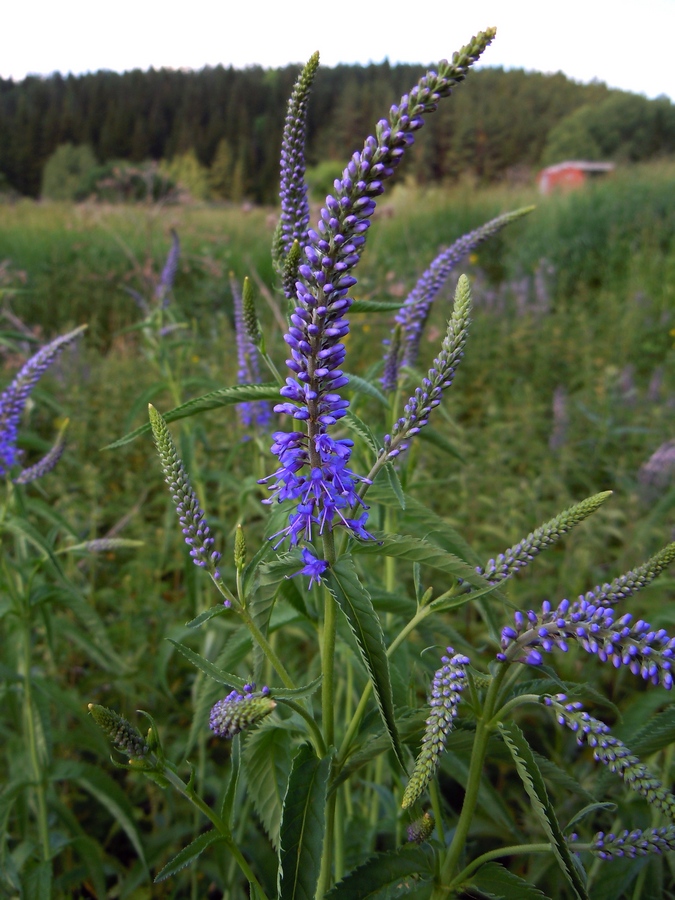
x,y
412,316
324,496
190,515
13,401
612,752
446,690
644,651
45,465
630,844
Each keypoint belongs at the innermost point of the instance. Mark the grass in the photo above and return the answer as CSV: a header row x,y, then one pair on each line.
x,y
598,328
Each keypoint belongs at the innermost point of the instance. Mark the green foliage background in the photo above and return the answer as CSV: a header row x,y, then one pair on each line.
x,y
578,297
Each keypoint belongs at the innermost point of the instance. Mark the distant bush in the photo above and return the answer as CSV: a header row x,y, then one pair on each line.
x,y
320,178
624,127
122,182
188,173
67,172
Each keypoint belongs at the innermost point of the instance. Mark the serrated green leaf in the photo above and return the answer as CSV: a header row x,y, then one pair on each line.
x,y
359,385
535,788
386,875
240,393
431,436
303,825
299,693
395,484
497,883
189,854
37,882
267,764
354,600
586,811
208,668
404,546
410,726
428,520
218,610
658,733
358,426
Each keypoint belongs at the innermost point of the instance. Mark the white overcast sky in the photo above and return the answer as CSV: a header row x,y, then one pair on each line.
x,y
625,43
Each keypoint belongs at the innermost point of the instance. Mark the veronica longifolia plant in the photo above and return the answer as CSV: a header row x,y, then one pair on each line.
x,y
338,753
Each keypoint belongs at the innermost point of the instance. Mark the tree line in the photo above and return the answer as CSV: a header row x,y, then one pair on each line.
x,y
231,120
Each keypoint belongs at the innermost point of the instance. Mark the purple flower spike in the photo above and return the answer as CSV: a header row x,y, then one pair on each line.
x,y
48,461
634,843
190,515
239,711
293,191
166,279
314,470
646,652
413,314
440,376
446,689
612,752
13,398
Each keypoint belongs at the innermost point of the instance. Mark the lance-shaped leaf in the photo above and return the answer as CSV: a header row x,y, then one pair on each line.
x,y
497,883
386,875
189,854
535,788
354,600
241,393
303,825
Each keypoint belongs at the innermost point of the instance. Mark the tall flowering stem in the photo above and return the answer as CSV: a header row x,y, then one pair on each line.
x,y
324,497
412,316
13,401
293,191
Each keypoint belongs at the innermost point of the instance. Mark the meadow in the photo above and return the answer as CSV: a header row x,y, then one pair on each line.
x,y
566,390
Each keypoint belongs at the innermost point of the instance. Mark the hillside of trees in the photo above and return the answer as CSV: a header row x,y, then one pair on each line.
x,y
229,122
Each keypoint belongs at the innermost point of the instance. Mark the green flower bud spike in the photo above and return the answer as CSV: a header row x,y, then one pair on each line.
x,y
250,317
420,830
239,549
126,738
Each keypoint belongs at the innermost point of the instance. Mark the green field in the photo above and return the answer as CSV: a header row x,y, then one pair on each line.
x,y
567,389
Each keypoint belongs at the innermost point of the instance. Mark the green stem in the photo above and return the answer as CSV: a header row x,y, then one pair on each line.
x,y
31,740
435,795
266,647
515,850
353,726
219,824
478,754
319,742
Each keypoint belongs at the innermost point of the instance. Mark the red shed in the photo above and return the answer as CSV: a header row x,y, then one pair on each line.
x,y
566,176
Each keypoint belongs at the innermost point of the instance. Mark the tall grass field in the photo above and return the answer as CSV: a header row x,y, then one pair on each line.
x,y
567,389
